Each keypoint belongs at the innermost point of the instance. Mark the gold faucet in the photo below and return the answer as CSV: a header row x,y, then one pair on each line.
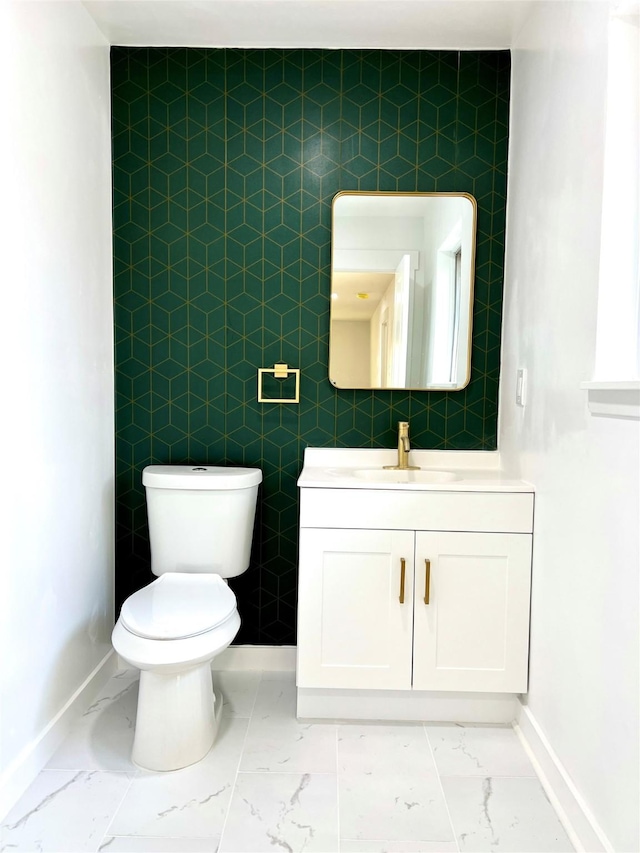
x,y
404,448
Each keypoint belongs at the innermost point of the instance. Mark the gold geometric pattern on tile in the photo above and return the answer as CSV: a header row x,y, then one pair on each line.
x,y
225,166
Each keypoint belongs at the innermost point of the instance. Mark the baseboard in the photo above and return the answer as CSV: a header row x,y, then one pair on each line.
x,y
35,755
584,831
268,658
319,703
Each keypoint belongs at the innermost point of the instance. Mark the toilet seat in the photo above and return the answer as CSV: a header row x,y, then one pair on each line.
x,y
178,606
173,655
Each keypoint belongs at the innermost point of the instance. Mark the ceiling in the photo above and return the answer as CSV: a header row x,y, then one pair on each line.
x,y
345,287
419,24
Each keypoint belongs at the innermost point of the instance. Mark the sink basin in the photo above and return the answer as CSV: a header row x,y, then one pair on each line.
x,y
423,475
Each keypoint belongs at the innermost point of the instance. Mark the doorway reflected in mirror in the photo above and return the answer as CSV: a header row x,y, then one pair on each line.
x,y
402,290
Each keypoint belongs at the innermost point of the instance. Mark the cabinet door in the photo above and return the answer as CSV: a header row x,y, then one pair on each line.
x,y
353,630
474,632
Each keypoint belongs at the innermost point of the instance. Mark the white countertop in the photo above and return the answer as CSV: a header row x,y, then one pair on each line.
x,y
475,471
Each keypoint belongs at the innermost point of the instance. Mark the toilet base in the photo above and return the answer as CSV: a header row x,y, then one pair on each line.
x,y
178,717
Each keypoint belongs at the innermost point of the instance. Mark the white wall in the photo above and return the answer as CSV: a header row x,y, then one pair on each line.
x,y
351,353
438,228
584,638
57,375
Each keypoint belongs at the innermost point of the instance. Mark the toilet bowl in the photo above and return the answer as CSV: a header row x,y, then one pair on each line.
x,y
173,647
171,630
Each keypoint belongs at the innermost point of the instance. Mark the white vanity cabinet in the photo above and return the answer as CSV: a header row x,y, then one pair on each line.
x,y
474,632
369,557
353,631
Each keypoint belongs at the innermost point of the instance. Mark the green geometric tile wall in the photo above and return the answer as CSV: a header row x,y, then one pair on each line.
x,y
225,163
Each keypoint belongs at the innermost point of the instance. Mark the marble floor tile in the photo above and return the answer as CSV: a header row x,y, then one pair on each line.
x,y
509,814
381,805
282,811
238,690
102,738
475,750
289,746
273,783
146,844
64,811
350,845
396,748
276,697
188,803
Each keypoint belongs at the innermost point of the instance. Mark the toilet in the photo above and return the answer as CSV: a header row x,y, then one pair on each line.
x,y
200,529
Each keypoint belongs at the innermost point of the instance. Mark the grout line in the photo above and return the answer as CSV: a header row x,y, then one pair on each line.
x,y
337,732
385,844
162,837
287,773
486,776
134,776
255,699
398,840
446,804
235,780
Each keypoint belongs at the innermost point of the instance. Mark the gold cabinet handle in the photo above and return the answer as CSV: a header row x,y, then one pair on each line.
x,y
403,566
427,580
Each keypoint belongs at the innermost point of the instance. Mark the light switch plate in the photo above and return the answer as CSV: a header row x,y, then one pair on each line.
x,y
521,387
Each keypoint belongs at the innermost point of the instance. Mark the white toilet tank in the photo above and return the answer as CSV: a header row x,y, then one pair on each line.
x,y
201,517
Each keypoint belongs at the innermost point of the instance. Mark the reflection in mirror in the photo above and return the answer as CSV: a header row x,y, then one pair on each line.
x,y
402,290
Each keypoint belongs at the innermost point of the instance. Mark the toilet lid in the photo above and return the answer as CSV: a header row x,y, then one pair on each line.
x,y
176,606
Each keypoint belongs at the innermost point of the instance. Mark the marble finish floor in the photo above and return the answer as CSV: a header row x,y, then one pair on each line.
x,y
272,783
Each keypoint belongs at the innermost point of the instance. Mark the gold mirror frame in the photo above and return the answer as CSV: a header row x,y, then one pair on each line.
x,y
347,258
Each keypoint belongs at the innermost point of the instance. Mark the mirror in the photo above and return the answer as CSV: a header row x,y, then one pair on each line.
x,y
402,271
